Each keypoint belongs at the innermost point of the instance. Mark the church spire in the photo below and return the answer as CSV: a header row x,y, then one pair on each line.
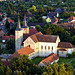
x,y
25,24
18,26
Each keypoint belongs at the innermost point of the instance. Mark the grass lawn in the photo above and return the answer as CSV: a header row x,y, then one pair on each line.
x,y
73,63
64,60
37,60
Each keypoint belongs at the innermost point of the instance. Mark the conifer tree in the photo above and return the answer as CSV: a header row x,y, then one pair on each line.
x,y
8,10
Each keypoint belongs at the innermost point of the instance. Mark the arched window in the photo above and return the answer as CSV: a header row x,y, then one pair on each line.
x,y
41,47
29,45
48,47
52,48
45,47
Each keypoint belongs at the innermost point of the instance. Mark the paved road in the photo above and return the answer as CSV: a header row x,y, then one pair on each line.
x,y
71,60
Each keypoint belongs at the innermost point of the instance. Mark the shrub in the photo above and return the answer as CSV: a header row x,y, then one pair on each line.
x,y
70,55
73,53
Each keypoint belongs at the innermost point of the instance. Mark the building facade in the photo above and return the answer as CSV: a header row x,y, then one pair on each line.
x,y
43,45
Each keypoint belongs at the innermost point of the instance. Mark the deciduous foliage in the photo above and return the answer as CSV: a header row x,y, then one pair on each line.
x,y
55,69
8,10
1,51
8,71
7,24
10,46
25,65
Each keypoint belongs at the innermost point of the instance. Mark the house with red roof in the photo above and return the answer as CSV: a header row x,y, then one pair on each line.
x,y
1,14
64,48
52,58
53,20
24,51
5,38
5,18
71,19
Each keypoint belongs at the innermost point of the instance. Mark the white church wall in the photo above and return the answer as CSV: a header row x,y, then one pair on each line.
x,y
45,51
18,39
30,42
33,55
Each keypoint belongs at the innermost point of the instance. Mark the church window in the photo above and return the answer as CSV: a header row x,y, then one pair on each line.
x,y
52,48
41,47
48,47
29,45
45,47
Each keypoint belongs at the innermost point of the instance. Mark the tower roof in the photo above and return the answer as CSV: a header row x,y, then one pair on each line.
x,y
25,24
18,26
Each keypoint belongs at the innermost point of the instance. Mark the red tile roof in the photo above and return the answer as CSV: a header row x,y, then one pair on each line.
x,y
33,31
10,20
26,50
1,14
62,50
71,18
43,38
25,36
6,63
8,37
54,20
50,59
65,45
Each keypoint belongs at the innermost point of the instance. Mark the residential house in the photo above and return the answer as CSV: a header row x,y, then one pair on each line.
x,y
65,48
71,19
34,24
67,25
5,18
52,14
52,58
5,38
59,10
24,51
52,20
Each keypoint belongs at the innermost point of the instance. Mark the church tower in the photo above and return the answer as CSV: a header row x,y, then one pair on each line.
x,y
25,27
18,36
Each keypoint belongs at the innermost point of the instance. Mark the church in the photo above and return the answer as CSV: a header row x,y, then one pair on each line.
x,y
36,44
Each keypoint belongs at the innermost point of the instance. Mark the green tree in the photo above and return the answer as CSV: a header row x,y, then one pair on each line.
x,y
17,73
48,70
73,40
69,69
8,71
62,70
0,18
1,51
7,25
2,70
25,65
65,36
10,45
8,10
39,28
